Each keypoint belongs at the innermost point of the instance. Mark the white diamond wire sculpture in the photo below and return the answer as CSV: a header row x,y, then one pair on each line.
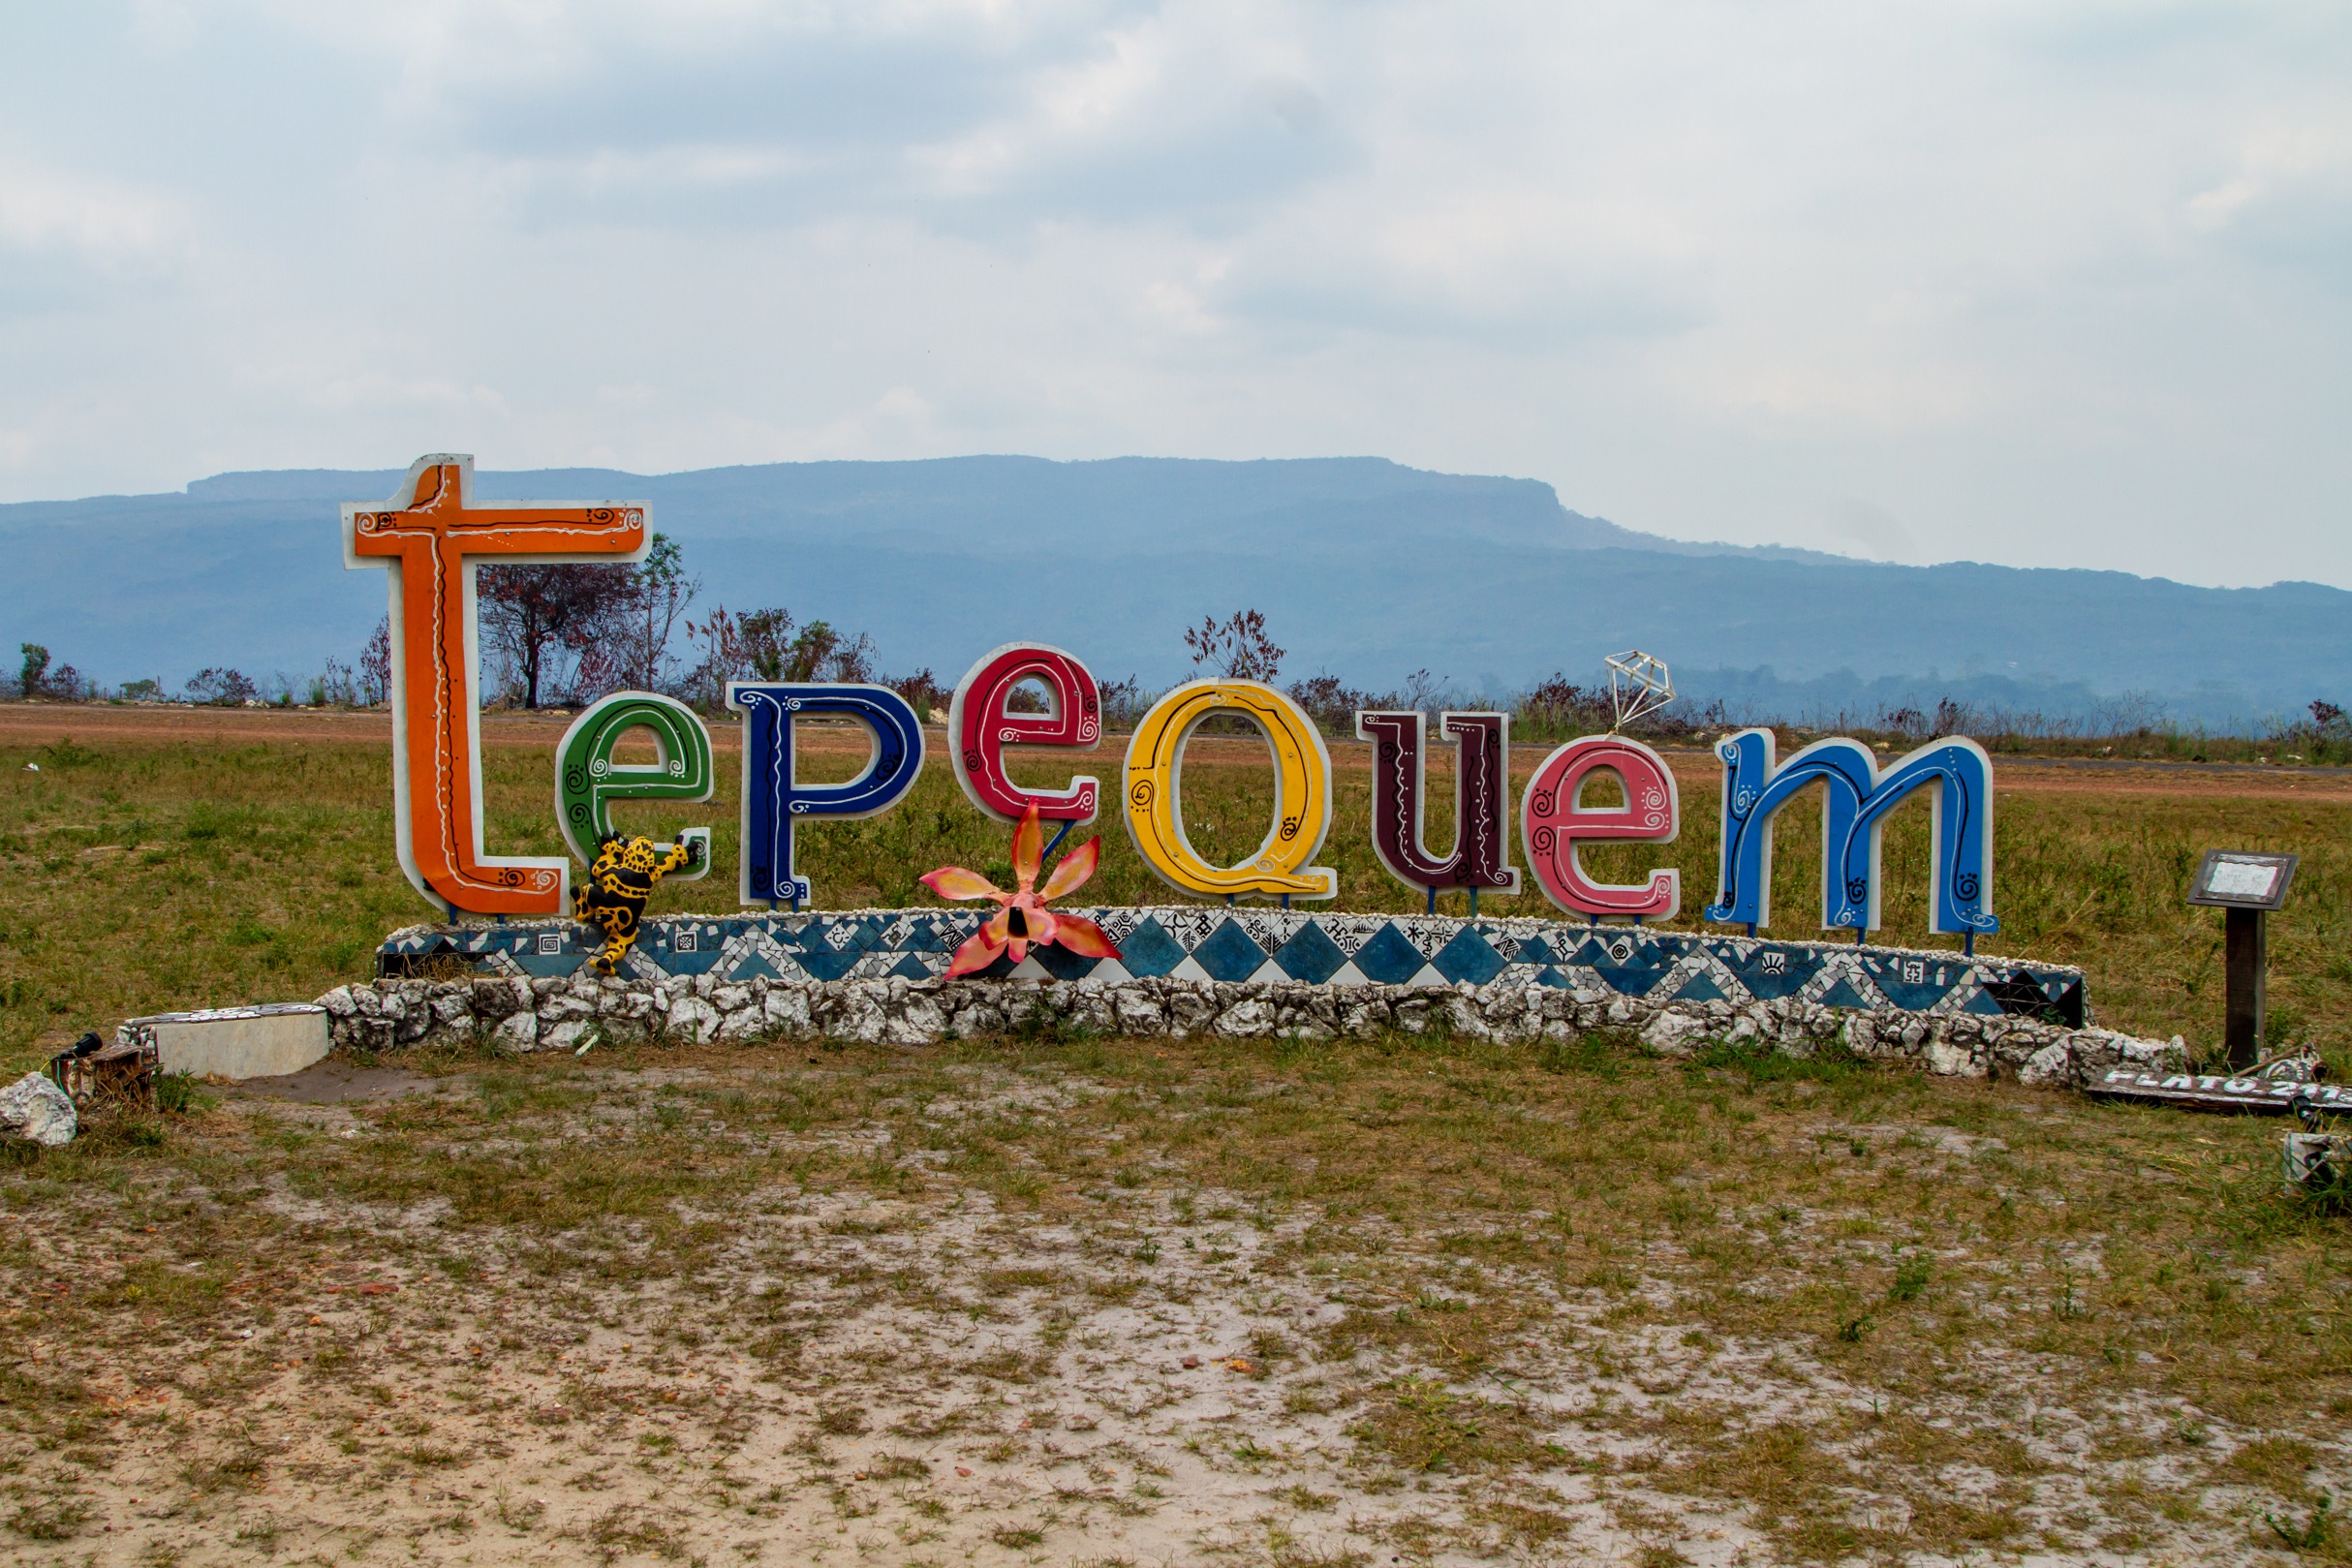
x,y
1638,685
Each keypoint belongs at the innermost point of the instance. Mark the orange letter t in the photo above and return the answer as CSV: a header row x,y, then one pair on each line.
x,y
432,541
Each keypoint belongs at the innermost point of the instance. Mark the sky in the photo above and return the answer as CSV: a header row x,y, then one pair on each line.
x,y
2043,283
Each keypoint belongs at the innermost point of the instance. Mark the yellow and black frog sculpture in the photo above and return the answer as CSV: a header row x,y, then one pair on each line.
x,y
613,898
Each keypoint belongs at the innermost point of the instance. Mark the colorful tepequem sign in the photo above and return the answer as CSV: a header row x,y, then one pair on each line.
x,y
430,539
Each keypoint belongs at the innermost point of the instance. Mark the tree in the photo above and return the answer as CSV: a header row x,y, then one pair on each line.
x,y
222,688
375,673
539,615
660,590
1330,702
765,644
1123,703
750,646
820,653
923,693
1559,706
34,677
1237,649
761,645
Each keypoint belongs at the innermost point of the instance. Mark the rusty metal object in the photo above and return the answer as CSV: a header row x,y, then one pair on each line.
x,y
2273,1088
2317,1160
93,1074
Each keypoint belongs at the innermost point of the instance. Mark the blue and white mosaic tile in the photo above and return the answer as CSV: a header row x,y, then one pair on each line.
x,y
1198,942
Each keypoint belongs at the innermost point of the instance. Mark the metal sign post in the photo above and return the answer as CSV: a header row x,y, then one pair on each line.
x,y
2246,888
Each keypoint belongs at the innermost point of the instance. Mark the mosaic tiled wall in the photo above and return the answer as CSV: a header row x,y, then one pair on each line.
x,y
1242,944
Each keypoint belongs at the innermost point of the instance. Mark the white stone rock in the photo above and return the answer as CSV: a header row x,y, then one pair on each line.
x,y
1245,1019
1189,1013
915,1021
567,1006
1675,1034
1136,1012
516,1031
2049,1067
2097,1049
1949,1060
33,1108
785,1009
1462,1017
861,1018
631,1006
1860,1035
978,1019
691,1018
454,1008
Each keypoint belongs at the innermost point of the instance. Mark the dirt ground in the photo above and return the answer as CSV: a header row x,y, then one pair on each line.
x,y
1118,1303
42,723
1138,1305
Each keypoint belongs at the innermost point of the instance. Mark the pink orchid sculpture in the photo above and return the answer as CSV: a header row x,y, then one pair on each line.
x,y
1022,920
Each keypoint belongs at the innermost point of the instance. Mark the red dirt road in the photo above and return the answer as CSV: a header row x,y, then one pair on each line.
x,y
25,724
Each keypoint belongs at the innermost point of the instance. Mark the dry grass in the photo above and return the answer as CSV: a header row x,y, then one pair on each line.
x,y
151,872
1442,1302
1440,1298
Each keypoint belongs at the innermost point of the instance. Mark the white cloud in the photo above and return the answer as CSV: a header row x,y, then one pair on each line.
x,y
2293,168
101,221
2050,283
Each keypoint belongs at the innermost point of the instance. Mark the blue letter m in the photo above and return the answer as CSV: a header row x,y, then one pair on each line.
x,y
1857,800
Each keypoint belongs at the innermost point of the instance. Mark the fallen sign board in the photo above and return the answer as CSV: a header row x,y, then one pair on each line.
x,y
2272,1090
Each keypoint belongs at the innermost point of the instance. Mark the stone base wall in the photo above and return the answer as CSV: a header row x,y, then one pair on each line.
x,y
563,1013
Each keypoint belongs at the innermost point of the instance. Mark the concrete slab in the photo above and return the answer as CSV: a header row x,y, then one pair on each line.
x,y
235,1042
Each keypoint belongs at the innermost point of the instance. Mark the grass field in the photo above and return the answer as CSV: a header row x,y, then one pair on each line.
x,y
183,868
1095,1301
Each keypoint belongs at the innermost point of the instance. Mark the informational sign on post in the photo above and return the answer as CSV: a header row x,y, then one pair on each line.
x,y
2250,885
2234,879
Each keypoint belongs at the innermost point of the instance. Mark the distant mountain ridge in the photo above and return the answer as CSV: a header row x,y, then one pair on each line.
x,y
949,495
1364,567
